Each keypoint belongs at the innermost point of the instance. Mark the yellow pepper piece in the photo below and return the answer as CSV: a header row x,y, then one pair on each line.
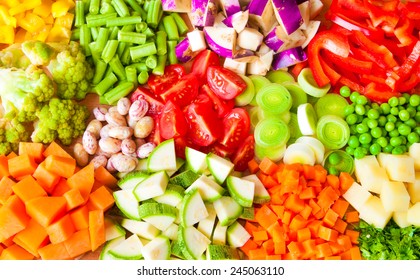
x,y
7,34
59,34
32,23
65,21
20,35
23,7
6,18
49,19
42,34
44,10
11,3
61,7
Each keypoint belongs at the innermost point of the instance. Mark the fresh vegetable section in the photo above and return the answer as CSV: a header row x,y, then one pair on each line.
x,y
51,208
375,53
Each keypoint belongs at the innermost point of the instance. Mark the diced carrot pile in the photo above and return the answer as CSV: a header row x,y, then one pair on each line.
x,y
43,20
307,218
49,207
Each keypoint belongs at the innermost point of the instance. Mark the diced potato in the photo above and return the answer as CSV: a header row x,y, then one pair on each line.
x,y
357,196
414,152
369,174
374,213
413,214
414,189
394,196
400,218
398,167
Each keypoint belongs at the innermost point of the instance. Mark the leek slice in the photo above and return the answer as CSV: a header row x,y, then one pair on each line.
x,y
273,153
331,104
340,161
248,95
294,129
279,76
333,132
307,82
299,96
307,119
258,81
274,98
271,132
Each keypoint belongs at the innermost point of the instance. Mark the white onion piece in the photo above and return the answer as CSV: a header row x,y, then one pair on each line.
x,y
310,31
197,41
316,7
305,11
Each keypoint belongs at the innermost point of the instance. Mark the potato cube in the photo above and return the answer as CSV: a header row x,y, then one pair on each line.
x,y
413,214
398,167
374,213
400,218
369,174
394,196
414,152
356,195
414,189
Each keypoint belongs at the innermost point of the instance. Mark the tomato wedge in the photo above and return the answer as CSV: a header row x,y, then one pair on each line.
x,y
160,83
202,62
244,154
236,126
221,106
155,136
172,122
224,82
183,91
155,102
204,126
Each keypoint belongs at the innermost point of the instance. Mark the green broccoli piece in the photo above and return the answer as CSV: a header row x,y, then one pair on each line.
x,y
60,119
11,133
23,92
71,71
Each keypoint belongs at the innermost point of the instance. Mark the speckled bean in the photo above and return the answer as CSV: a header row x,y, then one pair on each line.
x,y
128,147
99,160
123,163
95,127
80,154
144,127
145,150
99,113
110,145
89,142
138,109
123,106
115,118
130,121
120,132
104,133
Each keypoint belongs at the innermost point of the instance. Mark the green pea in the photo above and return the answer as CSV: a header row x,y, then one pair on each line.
x,y
404,115
417,130
414,100
353,141
411,123
365,138
394,111
359,153
389,126
362,128
413,138
412,111
334,158
349,109
375,106
382,121
353,96
385,108
398,150
353,130
388,149
350,150
382,141
404,129
417,116
395,141
345,91
351,119
391,118
375,149
362,100
372,123
360,109
402,100
394,133
373,114
376,132
393,101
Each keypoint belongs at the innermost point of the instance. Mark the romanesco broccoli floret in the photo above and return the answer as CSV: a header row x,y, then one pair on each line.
x,y
71,72
23,92
60,119
11,133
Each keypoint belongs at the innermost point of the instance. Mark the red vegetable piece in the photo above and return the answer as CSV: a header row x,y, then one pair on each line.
x,y
155,103
202,62
244,153
160,83
221,106
172,122
224,82
183,92
236,126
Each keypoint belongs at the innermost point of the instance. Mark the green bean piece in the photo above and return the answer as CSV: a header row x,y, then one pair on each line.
x,y
102,39
161,42
94,6
104,85
161,63
141,51
171,28
143,77
151,61
180,23
109,50
85,38
132,37
100,70
79,13
118,68
172,58
99,19
121,8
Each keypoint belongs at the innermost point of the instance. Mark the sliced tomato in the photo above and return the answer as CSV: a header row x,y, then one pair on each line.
x,y
202,62
236,126
155,136
160,83
155,102
221,106
244,154
204,126
224,82
172,122
183,91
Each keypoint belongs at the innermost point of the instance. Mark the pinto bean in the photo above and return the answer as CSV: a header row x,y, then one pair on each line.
x,y
89,142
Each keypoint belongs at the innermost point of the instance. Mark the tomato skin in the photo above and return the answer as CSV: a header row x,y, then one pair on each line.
x,y
172,122
155,136
160,83
183,91
155,102
221,106
224,82
202,62
236,126
244,154
204,126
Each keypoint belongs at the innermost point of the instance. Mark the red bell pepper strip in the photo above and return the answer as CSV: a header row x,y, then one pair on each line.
x,y
380,16
353,8
351,24
354,86
350,63
329,40
379,93
329,71
404,32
